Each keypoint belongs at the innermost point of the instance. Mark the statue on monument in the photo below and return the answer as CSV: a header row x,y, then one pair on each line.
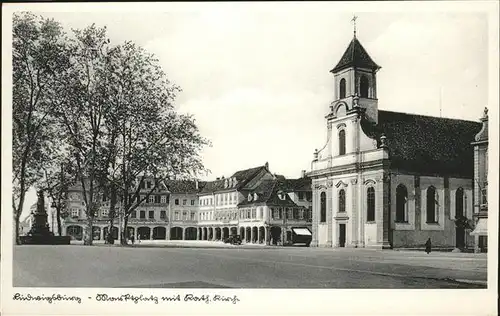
x,y
39,225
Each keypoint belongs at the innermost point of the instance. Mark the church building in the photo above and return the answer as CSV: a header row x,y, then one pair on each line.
x,y
388,179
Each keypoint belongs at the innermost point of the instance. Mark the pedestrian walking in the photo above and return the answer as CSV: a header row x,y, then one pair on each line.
x,y
132,239
428,246
139,238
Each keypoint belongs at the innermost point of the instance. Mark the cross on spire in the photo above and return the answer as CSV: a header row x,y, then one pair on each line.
x,y
354,18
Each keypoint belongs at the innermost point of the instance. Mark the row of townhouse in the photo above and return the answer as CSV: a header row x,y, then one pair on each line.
x,y
254,203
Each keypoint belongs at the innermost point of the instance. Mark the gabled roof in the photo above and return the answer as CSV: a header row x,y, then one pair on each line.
x,y
267,192
242,177
355,56
425,143
294,185
181,186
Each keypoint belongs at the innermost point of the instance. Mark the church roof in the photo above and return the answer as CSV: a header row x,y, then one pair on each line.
x,y
355,56
427,144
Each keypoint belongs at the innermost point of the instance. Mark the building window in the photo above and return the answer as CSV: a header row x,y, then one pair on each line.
x,y
142,214
157,199
459,203
484,195
74,212
184,216
193,216
370,205
401,204
192,202
151,214
261,215
133,214
308,196
342,88
301,196
342,201
148,185
431,205
301,214
176,201
163,214
177,216
363,87
104,213
296,213
184,202
341,142
323,207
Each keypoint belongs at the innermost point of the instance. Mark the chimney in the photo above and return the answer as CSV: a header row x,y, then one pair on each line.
x,y
196,183
217,178
267,165
303,173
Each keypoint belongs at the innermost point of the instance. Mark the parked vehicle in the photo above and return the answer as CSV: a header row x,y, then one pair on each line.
x,y
233,240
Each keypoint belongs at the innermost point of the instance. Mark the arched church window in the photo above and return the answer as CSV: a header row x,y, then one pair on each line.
x,y
370,205
431,205
401,205
459,202
363,87
342,200
323,207
342,89
341,142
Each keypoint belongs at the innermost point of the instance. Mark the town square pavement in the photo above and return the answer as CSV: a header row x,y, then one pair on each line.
x,y
216,265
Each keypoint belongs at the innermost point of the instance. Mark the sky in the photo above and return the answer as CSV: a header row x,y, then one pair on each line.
x,y
258,84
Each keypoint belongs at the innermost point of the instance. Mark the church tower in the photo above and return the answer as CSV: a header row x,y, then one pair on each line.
x,y
355,76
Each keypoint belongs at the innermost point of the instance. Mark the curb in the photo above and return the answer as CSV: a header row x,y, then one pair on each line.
x,y
476,282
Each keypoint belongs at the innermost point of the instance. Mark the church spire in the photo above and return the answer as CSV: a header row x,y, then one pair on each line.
x,y
354,18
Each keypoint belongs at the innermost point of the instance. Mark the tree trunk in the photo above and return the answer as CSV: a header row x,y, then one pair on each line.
x,y
58,217
89,231
123,241
112,206
17,240
17,215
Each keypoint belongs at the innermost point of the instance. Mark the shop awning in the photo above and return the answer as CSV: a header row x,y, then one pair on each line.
x,y
302,231
481,227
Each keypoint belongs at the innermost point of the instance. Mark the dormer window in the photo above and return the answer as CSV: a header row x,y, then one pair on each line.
x,y
281,195
249,197
255,196
226,184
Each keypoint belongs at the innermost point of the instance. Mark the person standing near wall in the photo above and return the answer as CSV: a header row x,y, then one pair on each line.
x,y
428,246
